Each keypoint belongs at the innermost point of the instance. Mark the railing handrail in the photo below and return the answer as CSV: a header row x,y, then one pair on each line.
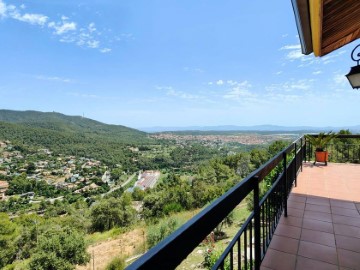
x,y
176,247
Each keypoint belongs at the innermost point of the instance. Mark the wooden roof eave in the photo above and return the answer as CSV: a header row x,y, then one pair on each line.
x,y
303,23
316,20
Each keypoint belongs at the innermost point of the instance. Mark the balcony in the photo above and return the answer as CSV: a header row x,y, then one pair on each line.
x,y
322,230
307,219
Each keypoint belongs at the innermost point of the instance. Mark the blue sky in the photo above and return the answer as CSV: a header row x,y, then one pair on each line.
x,y
143,63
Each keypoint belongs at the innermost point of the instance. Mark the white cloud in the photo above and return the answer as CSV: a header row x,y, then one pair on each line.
x,y
220,82
62,27
181,94
92,27
13,12
240,92
81,95
294,52
3,9
231,82
291,47
105,50
124,37
194,70
278,73
163,87
317,72
283,97
67,31
170,91
52,78
340,79
290,86
93,44
34,18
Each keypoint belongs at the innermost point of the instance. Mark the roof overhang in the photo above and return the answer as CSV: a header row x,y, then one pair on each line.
x,y
326,25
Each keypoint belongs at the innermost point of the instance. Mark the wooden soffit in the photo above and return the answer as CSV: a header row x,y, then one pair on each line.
x,y
326,25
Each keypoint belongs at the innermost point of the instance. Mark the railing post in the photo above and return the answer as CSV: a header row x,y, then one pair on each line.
x,y
302,154
285,185
295,167
257,230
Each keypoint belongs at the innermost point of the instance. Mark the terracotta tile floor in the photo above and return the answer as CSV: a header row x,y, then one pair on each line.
x,y
322,230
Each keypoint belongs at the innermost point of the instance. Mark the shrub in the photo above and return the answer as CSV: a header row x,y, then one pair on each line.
x,y
158,232
116,264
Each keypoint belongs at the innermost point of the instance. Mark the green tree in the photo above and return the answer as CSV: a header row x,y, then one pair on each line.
x,y
59,248
30,168
9,233
258,157
276,147
113,212
138,194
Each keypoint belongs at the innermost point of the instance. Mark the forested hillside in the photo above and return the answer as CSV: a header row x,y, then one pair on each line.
x,y
70,134
72,124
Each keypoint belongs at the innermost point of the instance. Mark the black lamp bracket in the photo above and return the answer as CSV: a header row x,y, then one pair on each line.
x,y
355,54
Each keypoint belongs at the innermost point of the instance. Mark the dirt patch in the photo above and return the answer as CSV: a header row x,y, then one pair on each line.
x,y
125,245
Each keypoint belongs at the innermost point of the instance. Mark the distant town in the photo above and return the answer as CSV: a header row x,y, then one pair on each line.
x,y
78,175
245,139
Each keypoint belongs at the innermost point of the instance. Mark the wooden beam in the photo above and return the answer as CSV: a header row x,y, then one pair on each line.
x,y
316,16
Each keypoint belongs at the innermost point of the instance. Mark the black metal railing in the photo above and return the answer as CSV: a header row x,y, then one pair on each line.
x,y
248,247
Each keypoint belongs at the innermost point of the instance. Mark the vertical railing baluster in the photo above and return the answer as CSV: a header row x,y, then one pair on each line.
x,y
231,259
301,153
251,245
239,253
269,218
245,246
257,223
262,227
295,167
285,185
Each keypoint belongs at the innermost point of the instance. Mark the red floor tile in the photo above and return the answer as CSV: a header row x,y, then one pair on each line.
x,y
318,208
347,230
348,243
349,259
318,201
294,212
318,216
297,198
310,264
323,238
292,221
284,244
297,205
265,268
279,260
318,252
317,225
345,212
346,220
288,231
343,204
